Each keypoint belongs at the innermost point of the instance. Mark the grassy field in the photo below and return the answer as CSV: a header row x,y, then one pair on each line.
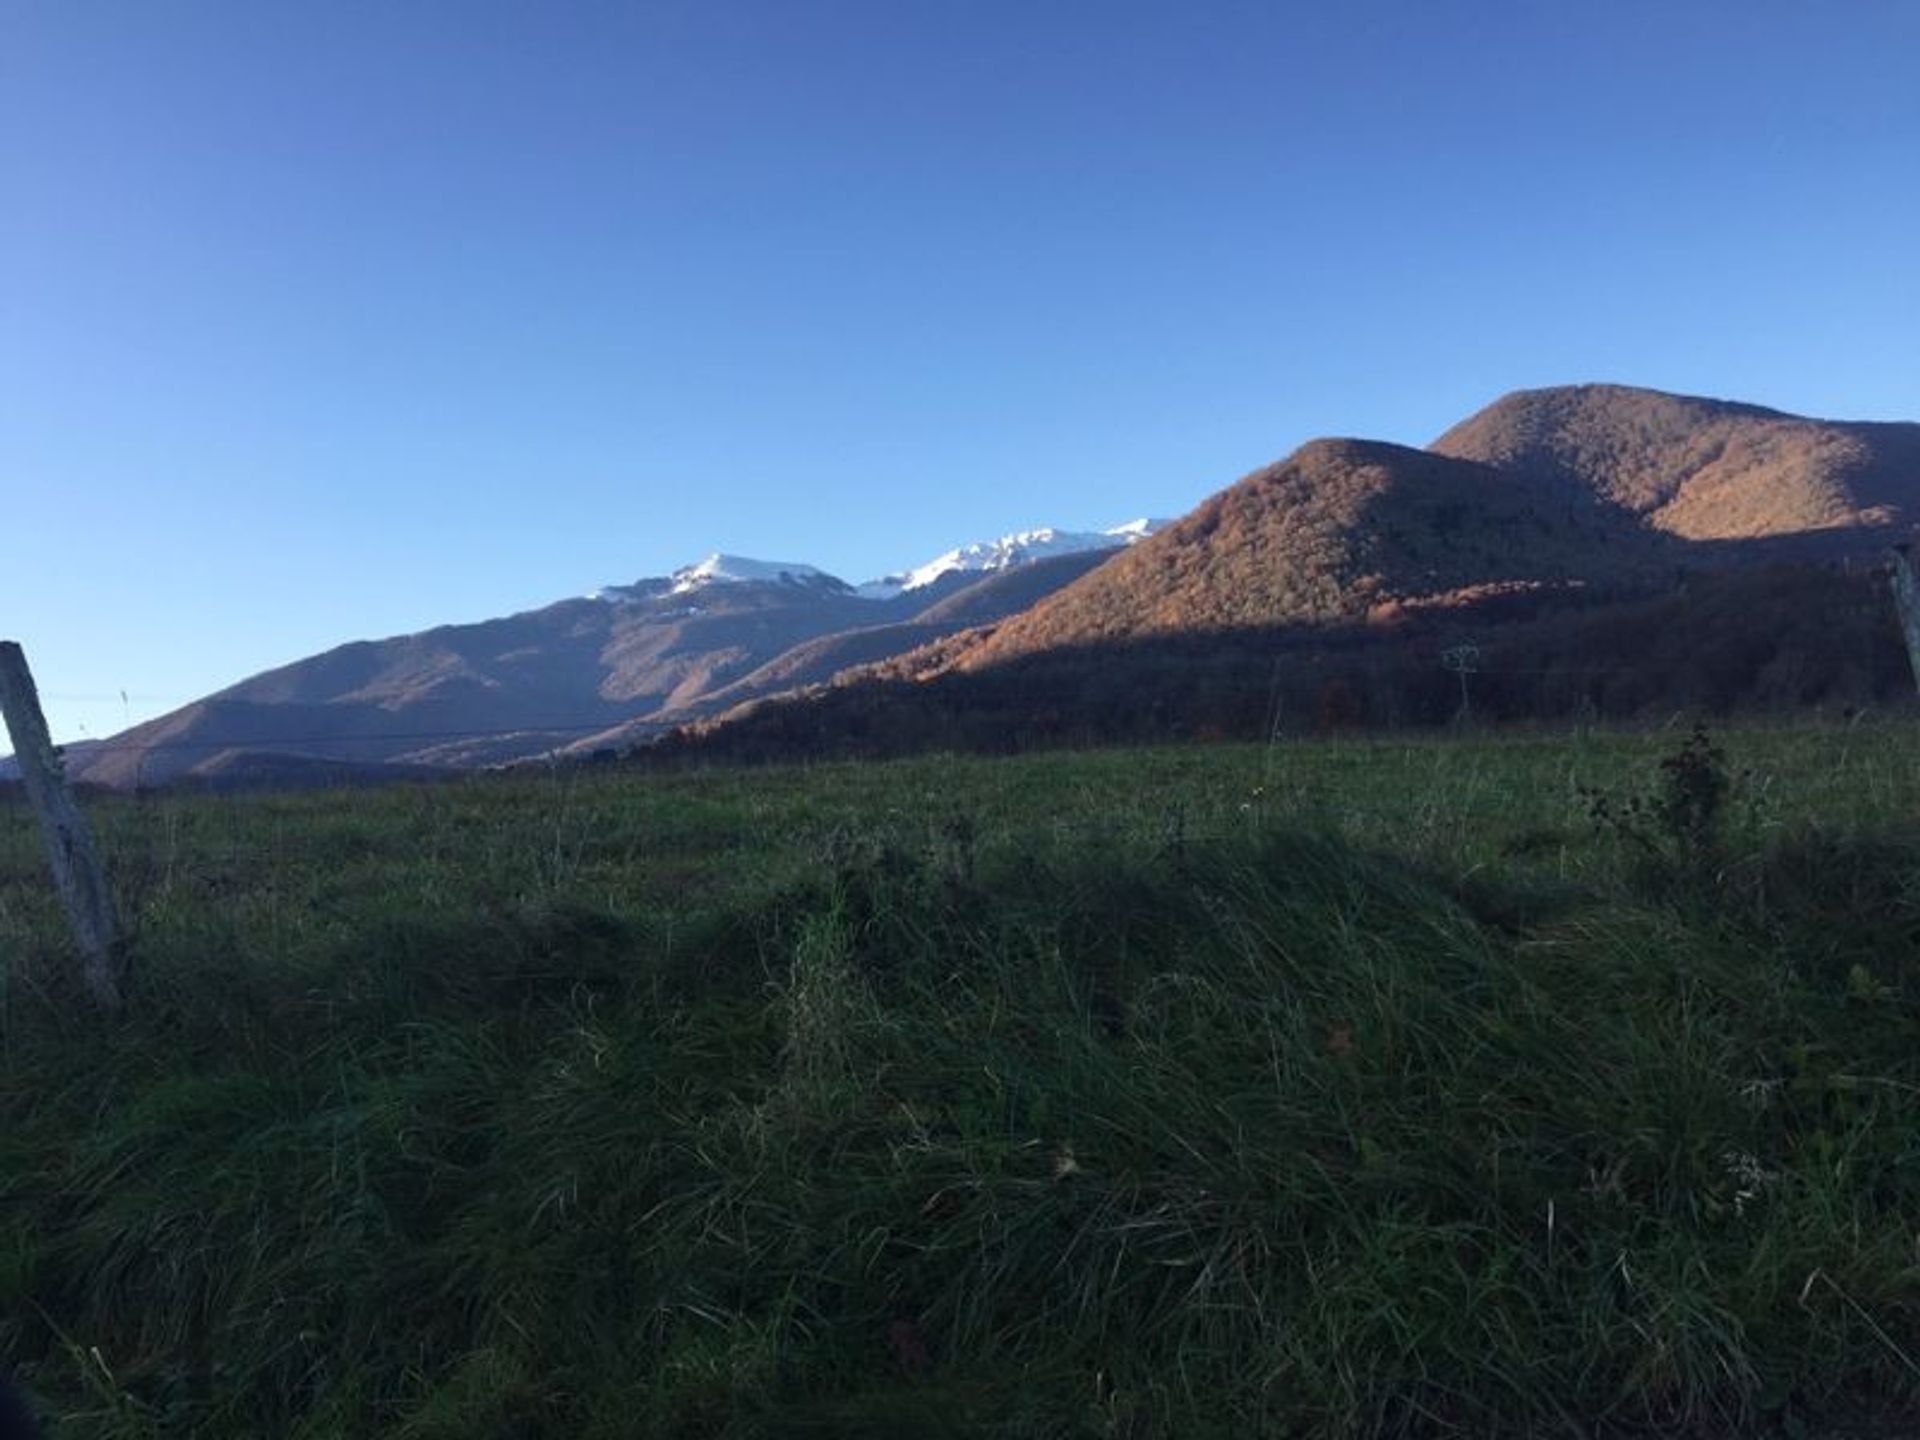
x,y
1348,1088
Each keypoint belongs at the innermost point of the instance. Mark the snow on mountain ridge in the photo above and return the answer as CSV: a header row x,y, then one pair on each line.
x,y
1023,547
719,569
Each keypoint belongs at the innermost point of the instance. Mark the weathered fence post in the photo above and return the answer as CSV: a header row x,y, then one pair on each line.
x,y
76,869
1906,599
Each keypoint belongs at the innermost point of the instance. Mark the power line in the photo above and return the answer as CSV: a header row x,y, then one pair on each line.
x,y
125,696
108,747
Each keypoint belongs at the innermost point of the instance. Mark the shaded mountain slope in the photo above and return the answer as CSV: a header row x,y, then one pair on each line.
x,y
810,662
958,601
1008,592
1767,640
375,701
668,657
573,675
272,770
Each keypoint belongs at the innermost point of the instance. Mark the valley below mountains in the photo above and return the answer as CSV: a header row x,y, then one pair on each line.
x,y
1595,551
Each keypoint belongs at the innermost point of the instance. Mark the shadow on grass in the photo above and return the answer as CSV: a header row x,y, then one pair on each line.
x,y
1270,1136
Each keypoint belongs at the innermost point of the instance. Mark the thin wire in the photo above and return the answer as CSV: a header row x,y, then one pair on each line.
x,y
106,747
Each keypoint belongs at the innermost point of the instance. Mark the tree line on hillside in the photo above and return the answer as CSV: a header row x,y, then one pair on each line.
x,y
1779,640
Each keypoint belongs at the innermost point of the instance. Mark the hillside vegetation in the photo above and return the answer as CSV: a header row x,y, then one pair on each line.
x,y
1338,528
1579,487
1350,1089
1774,642
1703,469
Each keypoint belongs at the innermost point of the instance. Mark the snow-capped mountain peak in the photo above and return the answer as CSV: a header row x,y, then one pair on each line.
x,y
1023,547
718,569
1020,548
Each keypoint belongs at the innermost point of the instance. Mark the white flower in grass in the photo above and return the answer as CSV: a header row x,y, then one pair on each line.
x,y
1749,1176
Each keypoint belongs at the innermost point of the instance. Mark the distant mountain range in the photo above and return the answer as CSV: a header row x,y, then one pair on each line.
x,y
612,668
1580,491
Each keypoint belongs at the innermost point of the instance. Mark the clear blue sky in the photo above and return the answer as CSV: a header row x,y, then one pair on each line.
x,y
328,320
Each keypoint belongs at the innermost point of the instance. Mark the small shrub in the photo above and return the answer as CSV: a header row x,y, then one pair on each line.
x,y
1678,824
1693,790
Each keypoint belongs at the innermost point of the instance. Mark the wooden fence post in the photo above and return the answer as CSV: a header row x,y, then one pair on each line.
x,y
1906,599
76,868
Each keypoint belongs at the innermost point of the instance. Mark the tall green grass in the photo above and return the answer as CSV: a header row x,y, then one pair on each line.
x,y
1357,1089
